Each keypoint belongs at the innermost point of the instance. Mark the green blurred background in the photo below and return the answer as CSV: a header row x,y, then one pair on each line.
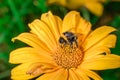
x,y
16,14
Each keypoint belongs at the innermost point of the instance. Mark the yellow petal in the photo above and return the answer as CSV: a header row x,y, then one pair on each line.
x,y
96,0
70,21
74,4
84,27
38,68
91,74
109,42
96,51
59,22
61,2
105,62
19,72
96,36
43,33
50,20
101,47
95,7
27,54
61,74
41,26
81,74
31,40
73,76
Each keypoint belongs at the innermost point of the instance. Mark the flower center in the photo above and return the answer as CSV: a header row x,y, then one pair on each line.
x,y
68,57
67,54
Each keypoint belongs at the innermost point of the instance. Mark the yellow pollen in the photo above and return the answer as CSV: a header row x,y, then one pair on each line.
x,y
68,57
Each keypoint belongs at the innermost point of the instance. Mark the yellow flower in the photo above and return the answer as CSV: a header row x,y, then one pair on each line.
x,y
94,6
64,50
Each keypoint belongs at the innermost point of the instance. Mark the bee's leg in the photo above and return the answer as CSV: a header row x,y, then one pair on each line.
x,y
76,43
71,44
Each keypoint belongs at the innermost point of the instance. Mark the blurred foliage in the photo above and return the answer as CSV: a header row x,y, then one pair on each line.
x,y
16,14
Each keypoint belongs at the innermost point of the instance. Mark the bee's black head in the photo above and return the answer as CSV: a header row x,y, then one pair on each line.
x,y
71,37
62,40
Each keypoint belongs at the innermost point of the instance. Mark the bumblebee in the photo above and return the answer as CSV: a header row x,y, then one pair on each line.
x,y
68,38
